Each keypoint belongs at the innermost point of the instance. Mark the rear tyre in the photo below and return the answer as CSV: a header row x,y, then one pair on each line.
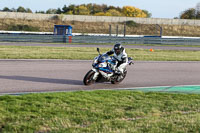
x,y
116,81
88,79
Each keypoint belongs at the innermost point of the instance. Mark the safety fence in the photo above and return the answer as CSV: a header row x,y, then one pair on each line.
x,y
98,39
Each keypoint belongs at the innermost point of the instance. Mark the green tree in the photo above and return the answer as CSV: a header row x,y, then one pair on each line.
x,y
6,9
58,11
131,11
51,11
188,14
69,13
111,7
21,9
89,7
96,9
191,13
119,9
65,9
28,10
113,12
13,10
82,10
104,8
100,14
147,13
72,8
198,15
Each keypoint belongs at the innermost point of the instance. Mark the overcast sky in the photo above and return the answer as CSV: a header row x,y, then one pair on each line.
x,y
158,8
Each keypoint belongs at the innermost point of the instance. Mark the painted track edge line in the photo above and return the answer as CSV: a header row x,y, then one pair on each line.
x,y
132,88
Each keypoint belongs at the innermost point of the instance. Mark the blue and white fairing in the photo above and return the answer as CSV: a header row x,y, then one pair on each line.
x,y
105,65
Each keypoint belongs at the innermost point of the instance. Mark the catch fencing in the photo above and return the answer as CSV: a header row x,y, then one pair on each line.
x,y
80,39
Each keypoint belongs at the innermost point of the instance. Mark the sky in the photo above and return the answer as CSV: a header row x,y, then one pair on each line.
x,y
158,8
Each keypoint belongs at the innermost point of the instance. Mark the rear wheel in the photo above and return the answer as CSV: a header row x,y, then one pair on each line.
x,y
88,79
117,81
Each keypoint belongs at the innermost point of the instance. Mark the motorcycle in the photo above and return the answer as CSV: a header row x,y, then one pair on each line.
x,y
104,70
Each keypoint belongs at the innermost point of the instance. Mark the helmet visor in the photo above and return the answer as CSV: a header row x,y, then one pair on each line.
x,y
117,51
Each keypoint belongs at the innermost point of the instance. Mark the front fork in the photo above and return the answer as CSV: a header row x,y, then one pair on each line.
x,y
96,74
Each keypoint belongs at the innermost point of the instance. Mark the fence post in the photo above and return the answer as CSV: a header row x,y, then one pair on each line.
x,y
110,30
64,38
117,31
125,29
160,29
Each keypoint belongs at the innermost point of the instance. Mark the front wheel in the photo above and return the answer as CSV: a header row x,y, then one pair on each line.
x,y
88,79
120,78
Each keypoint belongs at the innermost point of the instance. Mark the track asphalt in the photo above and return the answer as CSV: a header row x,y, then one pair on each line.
x,y
28,76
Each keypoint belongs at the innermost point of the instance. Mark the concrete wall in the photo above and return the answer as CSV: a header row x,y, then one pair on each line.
x,y
86,18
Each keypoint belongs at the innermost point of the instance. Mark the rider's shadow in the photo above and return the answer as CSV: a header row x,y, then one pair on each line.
x,y
43,80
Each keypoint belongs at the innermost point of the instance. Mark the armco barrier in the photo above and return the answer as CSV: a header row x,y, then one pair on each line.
x,y
31,38
97,39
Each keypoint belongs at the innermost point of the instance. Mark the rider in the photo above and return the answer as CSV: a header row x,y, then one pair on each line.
x,y
121,56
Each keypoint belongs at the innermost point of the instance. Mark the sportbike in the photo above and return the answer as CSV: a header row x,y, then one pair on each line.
x,y
103,70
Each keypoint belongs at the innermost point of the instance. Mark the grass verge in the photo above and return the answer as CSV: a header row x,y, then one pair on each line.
x,y
88,53
100,111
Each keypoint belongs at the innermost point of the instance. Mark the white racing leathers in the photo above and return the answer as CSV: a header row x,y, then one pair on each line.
x,y
122,59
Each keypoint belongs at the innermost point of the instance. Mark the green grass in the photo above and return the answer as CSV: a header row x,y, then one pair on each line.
x,y
88,53
100,111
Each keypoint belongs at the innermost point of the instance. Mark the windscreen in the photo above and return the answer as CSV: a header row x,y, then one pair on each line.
x,y
104,58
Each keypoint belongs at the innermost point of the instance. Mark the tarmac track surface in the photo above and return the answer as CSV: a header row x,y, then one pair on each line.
x,y
19,76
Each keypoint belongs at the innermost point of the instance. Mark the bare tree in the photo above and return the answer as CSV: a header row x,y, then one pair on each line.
x,y
198,7
197,10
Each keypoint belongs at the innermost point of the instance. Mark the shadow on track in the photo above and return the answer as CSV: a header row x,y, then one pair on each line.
x,y
45,80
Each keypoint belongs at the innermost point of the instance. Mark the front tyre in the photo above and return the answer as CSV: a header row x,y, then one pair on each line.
x,y
88,79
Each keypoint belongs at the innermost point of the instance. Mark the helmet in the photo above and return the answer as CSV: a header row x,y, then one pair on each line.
x,y
118,48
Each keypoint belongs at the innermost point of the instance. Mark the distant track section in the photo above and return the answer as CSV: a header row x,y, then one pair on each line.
x,y
101,45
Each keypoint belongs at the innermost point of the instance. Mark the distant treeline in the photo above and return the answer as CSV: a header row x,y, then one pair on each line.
x,y
105,10
190,13
89,9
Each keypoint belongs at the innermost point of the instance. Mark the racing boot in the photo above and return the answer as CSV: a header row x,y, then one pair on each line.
x,y
118,72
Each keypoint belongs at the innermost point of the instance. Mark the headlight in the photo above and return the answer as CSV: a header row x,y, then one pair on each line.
x,y
103,64
95,61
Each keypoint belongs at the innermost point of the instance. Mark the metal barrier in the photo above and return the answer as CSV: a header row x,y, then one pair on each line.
x,y
32,38
97,39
